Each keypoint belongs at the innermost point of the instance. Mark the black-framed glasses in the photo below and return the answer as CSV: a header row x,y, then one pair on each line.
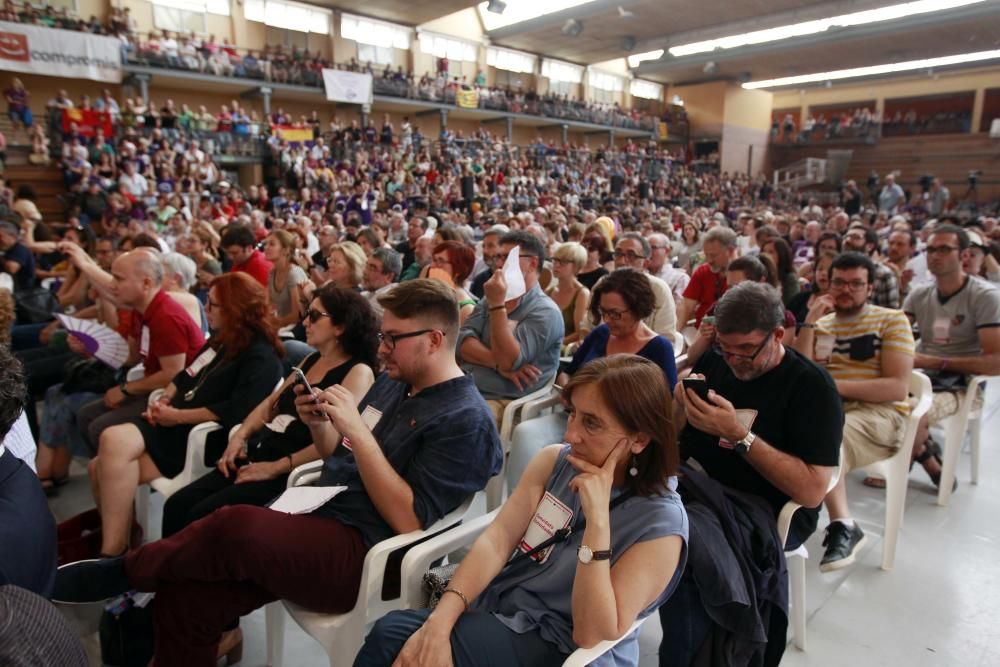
x,y
742,357
629,255
502,256
941,249
313,315
612,315
853,285
390,340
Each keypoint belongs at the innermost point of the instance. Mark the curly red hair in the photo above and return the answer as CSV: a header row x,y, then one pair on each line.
x,y
246,311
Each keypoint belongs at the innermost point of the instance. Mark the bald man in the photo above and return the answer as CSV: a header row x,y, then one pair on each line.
x,y
161,336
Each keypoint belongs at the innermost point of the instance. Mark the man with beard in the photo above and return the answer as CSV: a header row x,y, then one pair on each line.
x,y
870,361
491,246
708,282
770,427
885,287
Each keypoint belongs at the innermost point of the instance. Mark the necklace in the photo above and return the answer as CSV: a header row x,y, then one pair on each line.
x,y
203,373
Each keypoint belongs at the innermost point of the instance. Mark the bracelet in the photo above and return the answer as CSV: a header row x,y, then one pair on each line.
x,y
807,325
460,594
500,307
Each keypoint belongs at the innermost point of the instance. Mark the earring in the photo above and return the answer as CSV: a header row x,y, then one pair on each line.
x,y
633,470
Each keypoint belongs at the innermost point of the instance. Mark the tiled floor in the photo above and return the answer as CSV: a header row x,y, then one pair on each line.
x,y
938,607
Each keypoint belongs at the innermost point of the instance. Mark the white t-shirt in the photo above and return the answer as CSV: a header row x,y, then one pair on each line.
x,y
134,185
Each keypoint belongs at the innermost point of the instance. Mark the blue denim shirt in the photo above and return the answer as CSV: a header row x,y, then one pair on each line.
x,y
538,329
443,442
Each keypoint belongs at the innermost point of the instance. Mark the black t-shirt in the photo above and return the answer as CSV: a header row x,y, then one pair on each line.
x,y
798,411
25,276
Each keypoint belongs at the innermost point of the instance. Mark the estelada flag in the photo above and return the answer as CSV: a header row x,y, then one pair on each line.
x,y
87,121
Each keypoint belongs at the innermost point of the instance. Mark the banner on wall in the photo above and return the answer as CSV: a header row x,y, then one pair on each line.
x,y
294,134
467,99
349,87
66,53
87,122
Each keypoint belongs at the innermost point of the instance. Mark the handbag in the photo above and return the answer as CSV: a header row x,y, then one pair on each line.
x,y
437,579
126,631
35,305
88,375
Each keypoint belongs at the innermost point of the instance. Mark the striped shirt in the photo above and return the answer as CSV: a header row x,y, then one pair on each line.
x,y
860,339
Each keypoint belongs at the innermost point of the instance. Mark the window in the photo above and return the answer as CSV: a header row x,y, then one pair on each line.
x,y
512,80
376,55
646,89
374,33
286,38
558,71
446,47
511,61
605,81
571,90
604,96
288,15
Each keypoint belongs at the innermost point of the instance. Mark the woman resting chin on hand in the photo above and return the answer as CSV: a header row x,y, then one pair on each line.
x,y
616,468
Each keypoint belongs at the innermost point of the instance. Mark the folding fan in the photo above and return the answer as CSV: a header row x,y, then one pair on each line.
x,y
100,341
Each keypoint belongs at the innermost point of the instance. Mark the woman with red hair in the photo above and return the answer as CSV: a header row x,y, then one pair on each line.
x,y
236,370
452,263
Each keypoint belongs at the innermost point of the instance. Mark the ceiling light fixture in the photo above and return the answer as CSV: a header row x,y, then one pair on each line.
x,y
634,60
876,70
572,27
496,6
867,17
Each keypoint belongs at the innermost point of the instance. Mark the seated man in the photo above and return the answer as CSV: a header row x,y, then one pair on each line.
x,y
659,266
240,246
420,443
381,272
771,428
959,322
27,531
870,361
511,348
708,282
163,337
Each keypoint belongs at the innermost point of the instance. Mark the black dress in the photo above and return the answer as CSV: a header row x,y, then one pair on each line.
x,y
203,496
230,388
590,278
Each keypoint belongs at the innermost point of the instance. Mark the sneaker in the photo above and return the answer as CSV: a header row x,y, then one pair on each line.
x,y
842,545
88,581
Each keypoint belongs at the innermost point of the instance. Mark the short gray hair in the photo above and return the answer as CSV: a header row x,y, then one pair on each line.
x,y
149,263
749,307
722,235
392,261
636,236
183,267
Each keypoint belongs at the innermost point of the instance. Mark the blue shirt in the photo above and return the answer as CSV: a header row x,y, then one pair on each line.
x,y
443,442
659,350
538,328
25,276
531,596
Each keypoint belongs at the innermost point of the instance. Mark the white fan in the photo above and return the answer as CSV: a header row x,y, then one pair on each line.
x,y
99,340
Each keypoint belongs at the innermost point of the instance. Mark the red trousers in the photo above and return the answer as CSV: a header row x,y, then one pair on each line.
x,y
236,560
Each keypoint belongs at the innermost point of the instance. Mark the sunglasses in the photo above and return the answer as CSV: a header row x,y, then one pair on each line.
x,y
313,315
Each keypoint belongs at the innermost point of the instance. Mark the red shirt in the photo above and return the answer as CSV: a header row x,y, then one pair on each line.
x,y
705,288
165,329
257,267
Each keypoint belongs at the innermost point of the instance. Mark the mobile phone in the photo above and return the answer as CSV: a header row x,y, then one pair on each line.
x,y
300,378
709,320
698,386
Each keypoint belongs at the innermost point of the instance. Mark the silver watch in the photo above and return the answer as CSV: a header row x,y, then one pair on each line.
x,y
743,446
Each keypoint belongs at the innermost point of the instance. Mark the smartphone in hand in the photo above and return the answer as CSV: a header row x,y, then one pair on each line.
x,y
698,386
300,378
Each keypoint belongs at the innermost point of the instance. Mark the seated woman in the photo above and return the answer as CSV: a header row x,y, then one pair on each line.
x,y
569,293
272,441
788,280
613,483
455,260
235,370
179,274
623,299
285,281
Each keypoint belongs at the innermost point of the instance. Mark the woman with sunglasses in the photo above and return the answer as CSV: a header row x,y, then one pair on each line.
x,y
233,371
341,326
613,484
623,299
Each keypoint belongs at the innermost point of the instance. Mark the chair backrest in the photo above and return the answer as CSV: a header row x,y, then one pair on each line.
x,y
679,344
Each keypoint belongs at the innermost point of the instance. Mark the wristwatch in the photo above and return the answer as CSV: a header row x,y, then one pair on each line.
x,y
587,555
122,389
743,446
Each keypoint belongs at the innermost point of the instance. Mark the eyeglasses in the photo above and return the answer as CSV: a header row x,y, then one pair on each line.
x,y
390,340
313,315
853,285
211,305
742,357
561,262
612,315
657,247
940,249
629,255
502,256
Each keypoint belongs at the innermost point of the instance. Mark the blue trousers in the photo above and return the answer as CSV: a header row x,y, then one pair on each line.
x,y
478,640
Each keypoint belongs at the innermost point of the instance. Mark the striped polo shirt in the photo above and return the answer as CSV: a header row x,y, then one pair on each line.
x,y
857,353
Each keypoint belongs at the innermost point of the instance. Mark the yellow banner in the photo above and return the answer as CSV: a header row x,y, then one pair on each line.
x,y
467,99
294,134
664,131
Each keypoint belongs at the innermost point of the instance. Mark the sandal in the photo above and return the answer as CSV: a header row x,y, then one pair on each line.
x,y
874,482
50,485
933,450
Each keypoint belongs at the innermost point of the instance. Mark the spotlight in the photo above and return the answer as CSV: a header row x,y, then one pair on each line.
x,y
711,67
572,27
496,6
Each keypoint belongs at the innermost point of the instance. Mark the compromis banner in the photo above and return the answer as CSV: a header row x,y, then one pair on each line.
x,y
349,87
78,55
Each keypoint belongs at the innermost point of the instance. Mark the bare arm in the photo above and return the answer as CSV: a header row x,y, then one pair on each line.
x,y
892,386
685,311
988,363
326,436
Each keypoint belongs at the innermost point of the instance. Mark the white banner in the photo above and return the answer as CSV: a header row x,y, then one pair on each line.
x,y
349,87
77,55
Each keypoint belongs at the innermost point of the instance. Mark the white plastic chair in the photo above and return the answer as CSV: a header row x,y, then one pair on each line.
x,y
495,487
689,332
679,343
342,635
421,557
896,470
796,560
967,418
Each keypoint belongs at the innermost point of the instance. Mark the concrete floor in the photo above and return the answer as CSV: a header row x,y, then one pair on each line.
x,y
938,607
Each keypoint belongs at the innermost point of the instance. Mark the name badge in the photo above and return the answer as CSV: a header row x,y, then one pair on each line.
x,y
942,330
370,416
204,359
550,515
144,342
